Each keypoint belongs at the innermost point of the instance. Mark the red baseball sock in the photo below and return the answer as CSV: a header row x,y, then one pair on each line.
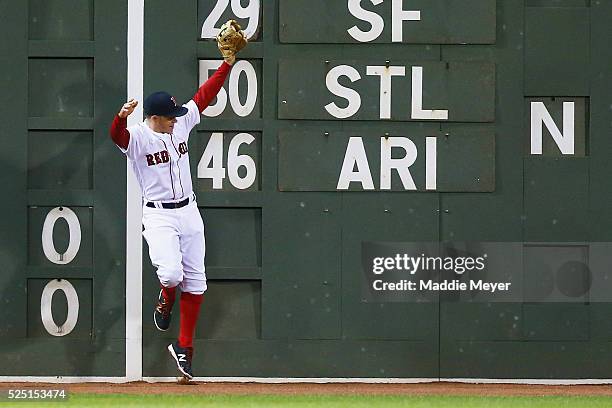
x,y
190,309
169,294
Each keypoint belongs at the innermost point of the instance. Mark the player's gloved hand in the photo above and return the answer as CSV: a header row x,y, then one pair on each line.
x,y
230,40
127,108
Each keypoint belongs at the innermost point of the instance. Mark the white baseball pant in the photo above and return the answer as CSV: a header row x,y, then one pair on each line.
x,y
177,246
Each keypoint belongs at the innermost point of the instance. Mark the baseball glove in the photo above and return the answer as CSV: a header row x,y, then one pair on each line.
x,y
230,40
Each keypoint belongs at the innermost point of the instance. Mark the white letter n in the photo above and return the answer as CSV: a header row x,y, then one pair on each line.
x,y
565,140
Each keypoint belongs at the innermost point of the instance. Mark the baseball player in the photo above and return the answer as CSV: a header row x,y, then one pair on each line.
x,y
173,228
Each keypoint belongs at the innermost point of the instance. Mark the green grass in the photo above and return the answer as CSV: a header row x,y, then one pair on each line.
x,y
307,401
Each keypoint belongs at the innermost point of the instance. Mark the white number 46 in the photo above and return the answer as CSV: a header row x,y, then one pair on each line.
x,y
211,163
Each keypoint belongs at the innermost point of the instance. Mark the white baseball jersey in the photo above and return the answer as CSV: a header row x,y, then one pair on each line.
x,y
161,161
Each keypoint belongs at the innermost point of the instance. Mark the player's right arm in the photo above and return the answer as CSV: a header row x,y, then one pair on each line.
x,y
202,98
118,130
209,89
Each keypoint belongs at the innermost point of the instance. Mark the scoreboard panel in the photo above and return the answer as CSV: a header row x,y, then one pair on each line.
x,y
63,223
342,123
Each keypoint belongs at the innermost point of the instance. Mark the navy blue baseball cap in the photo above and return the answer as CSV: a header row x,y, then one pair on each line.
x,y
163,104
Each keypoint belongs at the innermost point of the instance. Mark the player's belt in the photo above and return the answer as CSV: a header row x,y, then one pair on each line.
x,y
178,204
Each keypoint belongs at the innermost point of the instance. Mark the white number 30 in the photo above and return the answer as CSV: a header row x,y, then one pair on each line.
x,y
250,12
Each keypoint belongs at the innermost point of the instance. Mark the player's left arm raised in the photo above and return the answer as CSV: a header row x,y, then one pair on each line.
x,y
230,40
118,130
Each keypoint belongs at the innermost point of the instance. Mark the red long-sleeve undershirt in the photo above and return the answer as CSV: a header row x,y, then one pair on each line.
x,y
119,133
211,87
205,94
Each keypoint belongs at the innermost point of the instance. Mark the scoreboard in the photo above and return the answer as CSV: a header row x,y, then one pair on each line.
x,y
342,122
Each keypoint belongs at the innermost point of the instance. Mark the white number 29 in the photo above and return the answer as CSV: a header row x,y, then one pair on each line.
x,y
211,163
251,12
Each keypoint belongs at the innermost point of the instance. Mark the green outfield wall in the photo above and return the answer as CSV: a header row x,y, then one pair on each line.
x,y
342,123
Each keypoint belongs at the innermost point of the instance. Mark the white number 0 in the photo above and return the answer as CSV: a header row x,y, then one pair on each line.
x,y
74,227
45,307
211,163
251,11
74,243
